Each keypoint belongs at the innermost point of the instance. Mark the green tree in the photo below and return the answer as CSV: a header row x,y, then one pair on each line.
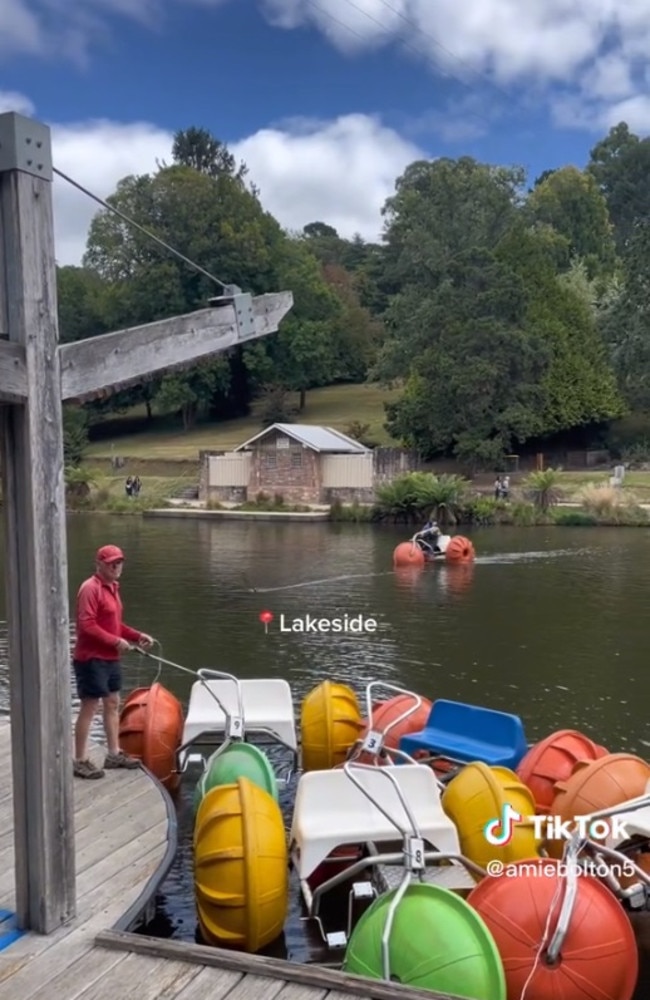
x,y
620,164
82,297
305,352
476,386
625,321
443,209
493,349
571,202
200,149
212,220
442,213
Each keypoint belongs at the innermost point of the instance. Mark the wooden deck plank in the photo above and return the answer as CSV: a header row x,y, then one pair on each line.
x,y
135,977
295,991
252,987
215,984
30,963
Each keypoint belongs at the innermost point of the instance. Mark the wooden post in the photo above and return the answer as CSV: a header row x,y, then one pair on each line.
x,y
35,374
35,533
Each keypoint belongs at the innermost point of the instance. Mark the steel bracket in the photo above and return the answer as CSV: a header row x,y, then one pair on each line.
x,y
25,145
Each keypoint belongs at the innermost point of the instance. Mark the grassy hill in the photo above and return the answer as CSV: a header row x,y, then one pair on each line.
x,y
336,406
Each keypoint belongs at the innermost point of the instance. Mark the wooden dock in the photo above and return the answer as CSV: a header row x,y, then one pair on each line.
x,y
125,836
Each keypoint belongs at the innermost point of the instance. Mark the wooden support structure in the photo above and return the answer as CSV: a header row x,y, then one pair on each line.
x,y
35,375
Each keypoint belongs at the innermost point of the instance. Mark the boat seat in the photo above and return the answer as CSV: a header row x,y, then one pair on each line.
x,y
266,703
635,821
331,811
470,732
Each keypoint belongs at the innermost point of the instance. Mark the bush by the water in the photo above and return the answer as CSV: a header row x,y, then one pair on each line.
x,y
414,497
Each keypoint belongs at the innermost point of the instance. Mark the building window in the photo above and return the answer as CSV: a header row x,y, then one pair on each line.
x,y
296,459
268,460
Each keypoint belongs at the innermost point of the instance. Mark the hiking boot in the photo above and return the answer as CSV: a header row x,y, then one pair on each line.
x,y
86,769
120,759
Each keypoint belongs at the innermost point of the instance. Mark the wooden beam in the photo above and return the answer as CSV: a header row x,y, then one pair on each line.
x,y
13,372
113,361
35,533
262,965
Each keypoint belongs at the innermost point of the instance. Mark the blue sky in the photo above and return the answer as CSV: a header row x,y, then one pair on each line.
x,y
326,100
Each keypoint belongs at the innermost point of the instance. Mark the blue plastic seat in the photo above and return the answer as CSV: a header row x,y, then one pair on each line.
x,y
469,732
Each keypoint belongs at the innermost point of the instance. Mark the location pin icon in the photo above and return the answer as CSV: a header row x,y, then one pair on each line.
x,y
266,617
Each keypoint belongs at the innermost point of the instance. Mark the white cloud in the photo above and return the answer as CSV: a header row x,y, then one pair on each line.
x,y
339,172
97,154
11,101
598,49
55,28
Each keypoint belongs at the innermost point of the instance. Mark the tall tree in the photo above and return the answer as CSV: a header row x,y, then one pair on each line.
x,y
570,201
442,212
620,164
199,149
625,321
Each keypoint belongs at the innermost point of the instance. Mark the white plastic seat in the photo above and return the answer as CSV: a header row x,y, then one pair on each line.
x,y
331,811
266,703
636,821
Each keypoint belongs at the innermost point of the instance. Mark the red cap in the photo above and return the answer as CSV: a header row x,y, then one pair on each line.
x,y
109,554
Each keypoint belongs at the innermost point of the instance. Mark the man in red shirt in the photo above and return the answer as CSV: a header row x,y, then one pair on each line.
x,y
101,638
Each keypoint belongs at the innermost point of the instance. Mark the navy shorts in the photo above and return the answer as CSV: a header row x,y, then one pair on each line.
x,y
97,678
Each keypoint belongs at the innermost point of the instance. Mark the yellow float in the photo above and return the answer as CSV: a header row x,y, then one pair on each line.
x,y
481,801
241,880
330,724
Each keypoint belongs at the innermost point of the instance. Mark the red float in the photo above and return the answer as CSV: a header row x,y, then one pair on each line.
x,y
553,759
386,712
598,957
408,554
595,785
151,729
337,861
460,550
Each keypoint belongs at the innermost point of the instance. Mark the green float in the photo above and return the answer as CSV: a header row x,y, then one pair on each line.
x,y
239,760
437,942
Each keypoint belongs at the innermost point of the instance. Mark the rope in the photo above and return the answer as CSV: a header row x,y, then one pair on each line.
x,y
160,661
145,232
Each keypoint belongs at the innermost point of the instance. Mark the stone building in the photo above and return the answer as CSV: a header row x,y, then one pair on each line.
x,y
303,463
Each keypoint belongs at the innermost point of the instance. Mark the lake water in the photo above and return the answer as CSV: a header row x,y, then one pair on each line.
x,y
551,624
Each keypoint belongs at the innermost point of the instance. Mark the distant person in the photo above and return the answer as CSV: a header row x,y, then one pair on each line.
x,y
429,535
505,487
498,487
137,486
128,486
101,638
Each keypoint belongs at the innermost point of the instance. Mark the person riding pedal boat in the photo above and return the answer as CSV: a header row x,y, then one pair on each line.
x,y
428,537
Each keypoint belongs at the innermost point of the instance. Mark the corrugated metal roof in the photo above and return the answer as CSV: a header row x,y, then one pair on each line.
x,y
312,436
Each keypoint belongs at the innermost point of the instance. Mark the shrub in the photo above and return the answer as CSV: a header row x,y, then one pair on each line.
x,y
604,500
422,494
542,488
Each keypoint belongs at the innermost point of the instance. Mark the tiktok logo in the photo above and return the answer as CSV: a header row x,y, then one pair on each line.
x,y
499,831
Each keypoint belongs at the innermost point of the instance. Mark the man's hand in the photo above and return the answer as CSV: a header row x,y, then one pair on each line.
x,y
123,646
145,641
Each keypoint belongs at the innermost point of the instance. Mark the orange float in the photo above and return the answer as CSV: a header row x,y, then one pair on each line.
x,y
151,729
598,957
460,550
386,712
408,554
553,759
595,785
